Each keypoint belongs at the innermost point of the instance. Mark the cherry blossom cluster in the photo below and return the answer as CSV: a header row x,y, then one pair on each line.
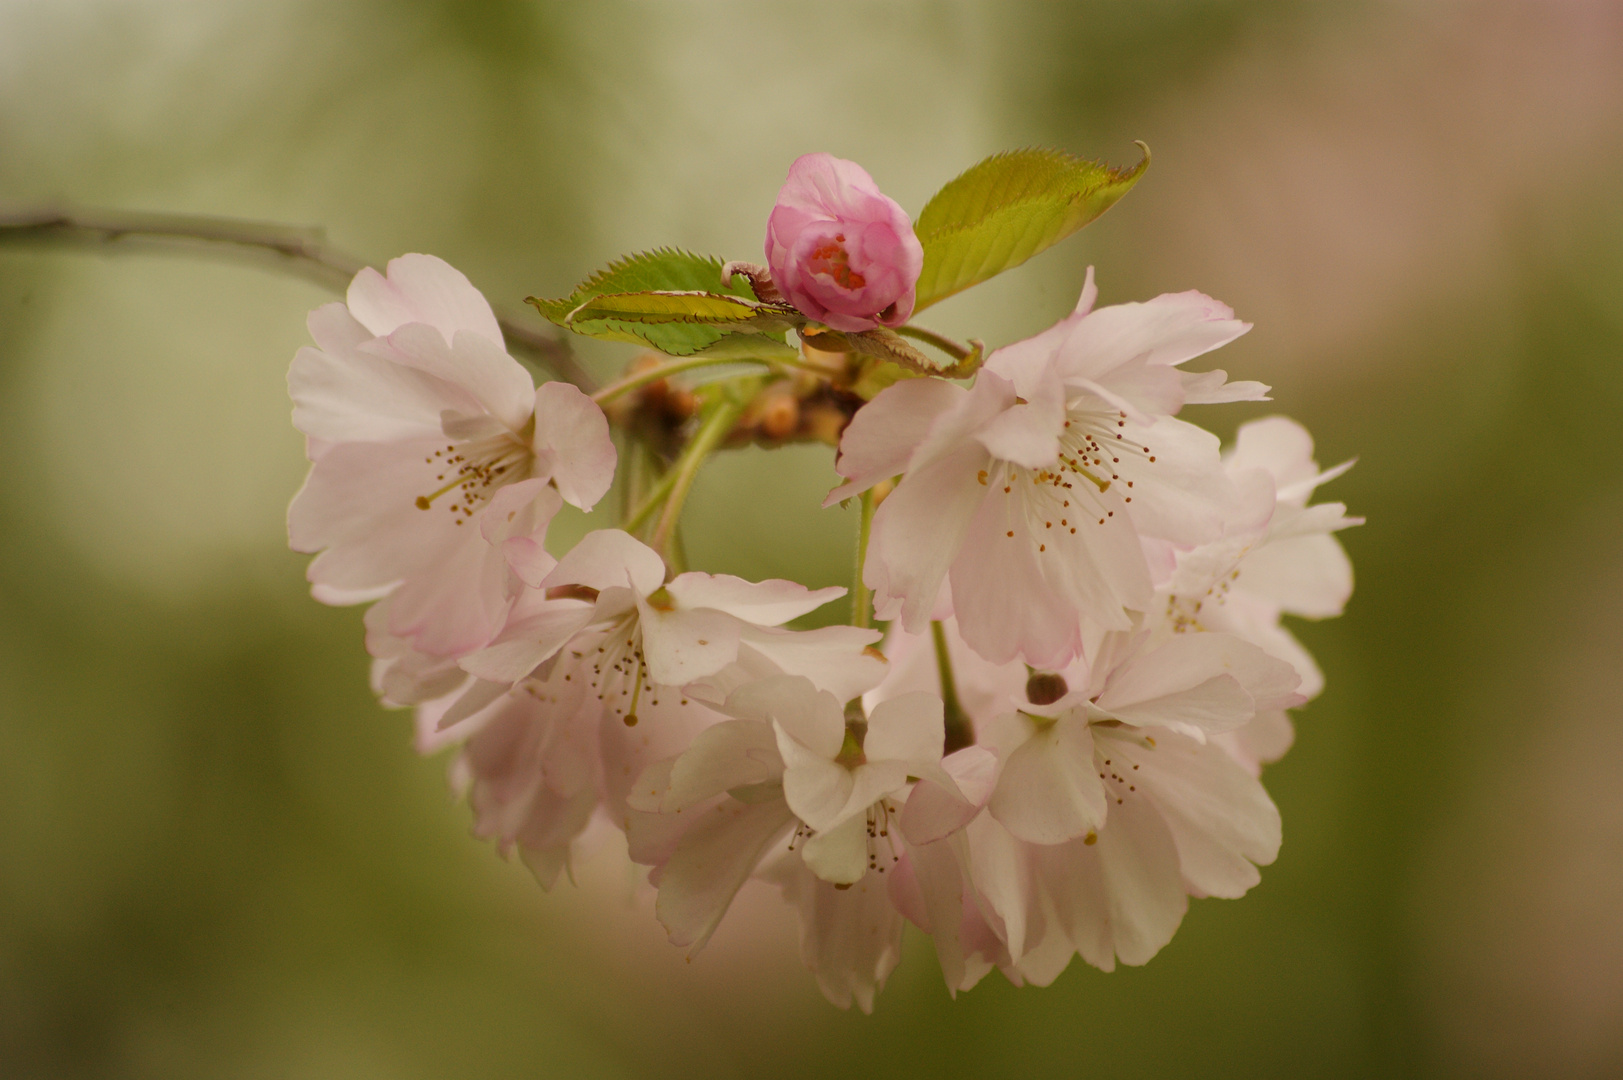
x,y
1058,743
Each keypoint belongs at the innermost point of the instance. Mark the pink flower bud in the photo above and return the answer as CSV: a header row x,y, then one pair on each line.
x,y
841,251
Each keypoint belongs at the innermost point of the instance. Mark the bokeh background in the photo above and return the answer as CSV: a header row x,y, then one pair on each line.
x,y
219,858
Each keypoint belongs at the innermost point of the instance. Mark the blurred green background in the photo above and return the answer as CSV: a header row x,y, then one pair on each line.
x,y
219,858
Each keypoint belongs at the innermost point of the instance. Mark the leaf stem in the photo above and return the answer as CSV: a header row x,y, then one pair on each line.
x,y
941,341
300,251
861,595
712,430
637,380
959,729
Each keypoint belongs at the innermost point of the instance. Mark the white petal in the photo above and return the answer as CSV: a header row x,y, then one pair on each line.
x,y
731,754
906,729
1213,388
1170,329
934,811
1309,576
357,397
810,717
712,860
839,856
1049,790
1219,815
1121,897
681,646
609,558
764,603
919,528
525,643
572,430
850,938
1203,680
882,436
495,380
834,658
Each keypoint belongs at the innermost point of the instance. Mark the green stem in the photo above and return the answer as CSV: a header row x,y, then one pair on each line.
x,y
861,595
712,431
959,730
651,502
640,379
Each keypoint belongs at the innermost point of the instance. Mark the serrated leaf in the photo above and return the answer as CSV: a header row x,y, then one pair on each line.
x,y
664,270
1006,209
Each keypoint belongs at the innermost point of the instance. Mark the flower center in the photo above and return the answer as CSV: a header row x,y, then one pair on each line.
x,y
831,260
619,672
474,471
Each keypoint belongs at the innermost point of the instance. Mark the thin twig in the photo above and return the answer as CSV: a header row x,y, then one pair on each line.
x,y
302,252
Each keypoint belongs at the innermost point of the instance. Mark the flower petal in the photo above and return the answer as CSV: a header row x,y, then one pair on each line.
x,y
421,289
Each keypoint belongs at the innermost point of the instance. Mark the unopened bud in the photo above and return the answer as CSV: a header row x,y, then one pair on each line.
x,y
1045,688
779,417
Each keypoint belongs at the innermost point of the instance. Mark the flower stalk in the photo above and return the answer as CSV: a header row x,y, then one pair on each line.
x,y
959,729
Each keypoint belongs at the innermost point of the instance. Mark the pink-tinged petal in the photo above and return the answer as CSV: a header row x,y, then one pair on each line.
x,y
1261,742
938,880
1220,817
919,528
607,559
667,727
1000,872
1022,595
478,366
359,397
471,709
850,938
681,646
731,754
1049,790
1206,682
421,289
808,717
933,811
573,434
840,855
906,729
524,644
1170,329
1027,433
712,860
458,608
882,436
1213,388
1121,897
360,503
764,603
335,330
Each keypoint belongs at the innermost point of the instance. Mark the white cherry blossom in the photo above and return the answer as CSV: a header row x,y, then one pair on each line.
x,y
1033,490
1278,557
640,635
436,463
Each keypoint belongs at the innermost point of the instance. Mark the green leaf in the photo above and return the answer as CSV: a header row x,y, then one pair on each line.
x,y
1008,208
664,270
713,309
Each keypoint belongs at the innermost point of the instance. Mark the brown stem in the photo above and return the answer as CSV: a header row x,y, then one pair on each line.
x,y
299,251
